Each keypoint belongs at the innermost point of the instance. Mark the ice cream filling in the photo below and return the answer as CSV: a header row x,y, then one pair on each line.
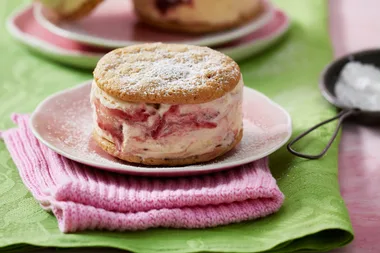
x,y
164,130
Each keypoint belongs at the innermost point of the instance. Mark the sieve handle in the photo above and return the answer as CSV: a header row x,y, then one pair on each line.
x,y
340,117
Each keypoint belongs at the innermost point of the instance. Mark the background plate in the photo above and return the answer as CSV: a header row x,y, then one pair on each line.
x,y
24,28
115,25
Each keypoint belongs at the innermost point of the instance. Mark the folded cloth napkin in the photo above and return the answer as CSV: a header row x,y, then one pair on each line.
x,y
84,198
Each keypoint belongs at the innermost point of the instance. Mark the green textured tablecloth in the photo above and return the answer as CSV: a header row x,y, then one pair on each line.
x,y
313,216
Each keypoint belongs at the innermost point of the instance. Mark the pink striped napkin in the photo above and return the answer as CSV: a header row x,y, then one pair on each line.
x,y
84,198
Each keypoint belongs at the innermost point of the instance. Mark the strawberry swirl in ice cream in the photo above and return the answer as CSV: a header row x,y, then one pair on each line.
x,y
164,130
143,130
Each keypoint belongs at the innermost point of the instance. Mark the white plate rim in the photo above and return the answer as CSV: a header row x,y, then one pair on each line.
x,y
207,40
157,170
265,41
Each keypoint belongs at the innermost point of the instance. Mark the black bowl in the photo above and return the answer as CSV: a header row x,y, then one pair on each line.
x,y
331,73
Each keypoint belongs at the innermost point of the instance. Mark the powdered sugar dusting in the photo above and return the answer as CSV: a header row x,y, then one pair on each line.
x,y
170,74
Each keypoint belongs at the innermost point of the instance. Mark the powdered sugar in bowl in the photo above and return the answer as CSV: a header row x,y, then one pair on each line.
x,y
352,84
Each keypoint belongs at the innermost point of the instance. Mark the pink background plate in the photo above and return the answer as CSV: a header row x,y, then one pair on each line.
x,y
114,24
63,122
23,27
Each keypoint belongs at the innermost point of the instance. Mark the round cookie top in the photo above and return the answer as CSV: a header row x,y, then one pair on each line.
x,y
166,74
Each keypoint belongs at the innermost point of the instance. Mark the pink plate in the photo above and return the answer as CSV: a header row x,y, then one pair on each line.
x,y
114,24
63,122
23,26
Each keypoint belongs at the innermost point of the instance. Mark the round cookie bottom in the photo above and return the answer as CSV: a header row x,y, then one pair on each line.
x,y
199,28
110,148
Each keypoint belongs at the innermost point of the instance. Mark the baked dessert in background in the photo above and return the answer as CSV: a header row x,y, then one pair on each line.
x,y
197,16
167,104
70,9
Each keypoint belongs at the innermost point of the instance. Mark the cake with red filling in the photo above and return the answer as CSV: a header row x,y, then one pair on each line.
x,y
167,104
197,16
70,9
